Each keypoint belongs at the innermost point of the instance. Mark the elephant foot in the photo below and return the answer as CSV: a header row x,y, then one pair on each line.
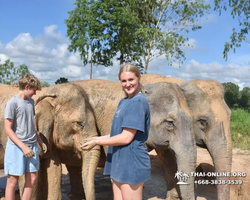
x,y
173,195
74,196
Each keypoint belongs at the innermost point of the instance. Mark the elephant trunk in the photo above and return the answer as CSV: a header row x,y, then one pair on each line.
x,y
90,160
186,163
221,154
179,161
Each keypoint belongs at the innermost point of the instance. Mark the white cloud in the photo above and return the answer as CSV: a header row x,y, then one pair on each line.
x,y
50,33
25,46
191,44
241,86
3,58
72,71
45,55
223,73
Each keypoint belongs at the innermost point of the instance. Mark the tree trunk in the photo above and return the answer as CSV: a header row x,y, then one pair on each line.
x,y
91,64
121,59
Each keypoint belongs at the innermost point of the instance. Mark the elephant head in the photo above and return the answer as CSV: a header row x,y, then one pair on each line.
x,y
64,118
211,122
171,136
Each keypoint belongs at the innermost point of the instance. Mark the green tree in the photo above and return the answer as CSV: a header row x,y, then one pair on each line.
x,y
45,84
132,29
61,80
231,94
87,33
163,24
9,74
240,9
244,100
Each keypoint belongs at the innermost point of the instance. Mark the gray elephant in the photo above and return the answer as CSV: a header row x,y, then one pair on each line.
x,y
63,118
211,125
211,121
170,132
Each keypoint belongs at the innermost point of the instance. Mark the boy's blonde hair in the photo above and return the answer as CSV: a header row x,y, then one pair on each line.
x,y
31,81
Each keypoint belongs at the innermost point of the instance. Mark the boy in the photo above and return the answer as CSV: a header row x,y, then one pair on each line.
x,y
21,154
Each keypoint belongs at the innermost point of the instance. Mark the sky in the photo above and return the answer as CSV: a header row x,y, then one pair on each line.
x,y
34,33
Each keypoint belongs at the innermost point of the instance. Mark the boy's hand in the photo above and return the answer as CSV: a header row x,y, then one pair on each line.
x,y
44,147
28,152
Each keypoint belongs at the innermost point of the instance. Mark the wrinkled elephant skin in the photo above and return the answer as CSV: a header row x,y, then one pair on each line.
x,y
64,118
211,121
211,125
170,126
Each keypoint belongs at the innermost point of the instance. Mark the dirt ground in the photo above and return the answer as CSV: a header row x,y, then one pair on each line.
x,y
155,189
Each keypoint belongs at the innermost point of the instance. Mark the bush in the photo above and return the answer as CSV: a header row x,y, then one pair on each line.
x,y
240,128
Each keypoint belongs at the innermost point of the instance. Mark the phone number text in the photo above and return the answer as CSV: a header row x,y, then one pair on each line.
x,y
218,182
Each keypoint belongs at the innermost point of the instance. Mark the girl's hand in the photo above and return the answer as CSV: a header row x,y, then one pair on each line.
x,y
89,145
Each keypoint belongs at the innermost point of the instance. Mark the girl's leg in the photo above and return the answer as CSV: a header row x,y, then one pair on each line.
x,y
11,187
128,192
30,180
116,190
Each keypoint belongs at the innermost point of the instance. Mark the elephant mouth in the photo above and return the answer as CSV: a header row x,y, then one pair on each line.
x,y
163,145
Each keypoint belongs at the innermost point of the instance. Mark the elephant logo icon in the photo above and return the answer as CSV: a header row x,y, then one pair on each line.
x,y
182,177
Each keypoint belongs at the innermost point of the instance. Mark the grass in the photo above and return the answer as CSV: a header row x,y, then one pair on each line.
x,y
240,129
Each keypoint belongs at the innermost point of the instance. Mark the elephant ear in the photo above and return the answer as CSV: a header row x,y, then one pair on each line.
x,y
44,96
45,107
143,89
51,99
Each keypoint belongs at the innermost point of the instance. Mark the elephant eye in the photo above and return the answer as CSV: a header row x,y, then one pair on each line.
x,y
203,122
169,123
80,124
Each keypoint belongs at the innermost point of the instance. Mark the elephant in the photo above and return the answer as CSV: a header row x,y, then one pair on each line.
x,y
211,121
63,119
170,130
58,109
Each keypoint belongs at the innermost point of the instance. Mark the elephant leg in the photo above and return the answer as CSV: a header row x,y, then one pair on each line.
x,y
54,177
90,160
48,182
76,189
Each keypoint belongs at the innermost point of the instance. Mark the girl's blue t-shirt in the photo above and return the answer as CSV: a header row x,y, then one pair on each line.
x,y
130,163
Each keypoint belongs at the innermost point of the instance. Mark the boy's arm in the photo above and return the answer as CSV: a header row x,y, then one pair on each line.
x,y
41,143
8,123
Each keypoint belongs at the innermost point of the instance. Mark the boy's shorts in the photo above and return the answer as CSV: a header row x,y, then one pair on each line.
x,y
15,162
